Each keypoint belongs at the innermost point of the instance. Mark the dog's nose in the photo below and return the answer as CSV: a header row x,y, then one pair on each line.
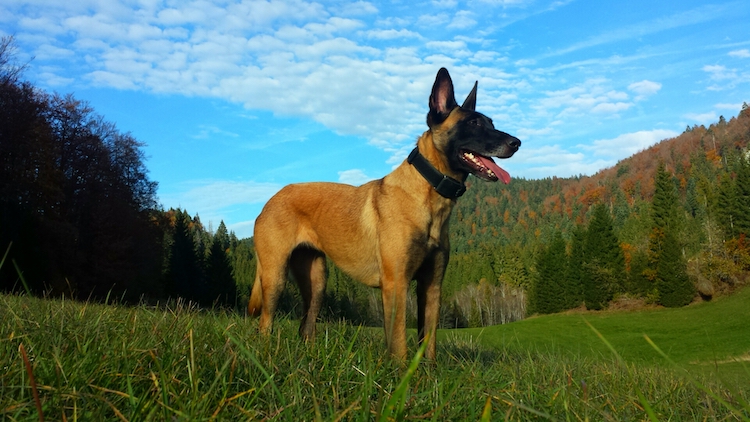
x,y
514,142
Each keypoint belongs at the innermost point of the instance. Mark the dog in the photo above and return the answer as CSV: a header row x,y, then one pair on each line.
x,y
386,232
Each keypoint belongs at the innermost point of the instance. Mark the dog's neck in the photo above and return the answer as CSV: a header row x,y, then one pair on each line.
x,y
443,184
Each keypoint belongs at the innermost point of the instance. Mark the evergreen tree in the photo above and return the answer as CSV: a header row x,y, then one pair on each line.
x,y
726,206
674,287
243,265
184,272
549,291
222,289
667,268
742,191
663,208
639,283
574,272
222,236
604,260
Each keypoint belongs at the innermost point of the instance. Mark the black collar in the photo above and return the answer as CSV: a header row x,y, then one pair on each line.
x,y
445,185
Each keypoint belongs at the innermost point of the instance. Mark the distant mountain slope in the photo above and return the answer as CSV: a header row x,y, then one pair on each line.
x,y
497,230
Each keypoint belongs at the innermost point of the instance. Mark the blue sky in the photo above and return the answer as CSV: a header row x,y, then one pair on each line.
x,y
235,99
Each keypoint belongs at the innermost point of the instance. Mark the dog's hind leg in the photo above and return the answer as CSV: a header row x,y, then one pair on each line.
x,y
308,267
273,280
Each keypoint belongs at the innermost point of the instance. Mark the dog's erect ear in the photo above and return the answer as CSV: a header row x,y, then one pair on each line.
x,y
470,103
442,99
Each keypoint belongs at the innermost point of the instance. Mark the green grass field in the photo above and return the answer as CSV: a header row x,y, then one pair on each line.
x,y
706,337
98,362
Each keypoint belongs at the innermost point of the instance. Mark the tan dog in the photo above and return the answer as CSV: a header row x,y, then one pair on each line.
x,y
384,233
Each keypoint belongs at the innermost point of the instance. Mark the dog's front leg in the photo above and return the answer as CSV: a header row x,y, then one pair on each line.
x,y
394,290
429,282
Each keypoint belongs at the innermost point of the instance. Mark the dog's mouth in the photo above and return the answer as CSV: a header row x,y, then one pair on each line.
x,y
484,167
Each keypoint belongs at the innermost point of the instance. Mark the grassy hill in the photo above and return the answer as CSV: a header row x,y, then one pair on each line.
x,y
710,336
110,362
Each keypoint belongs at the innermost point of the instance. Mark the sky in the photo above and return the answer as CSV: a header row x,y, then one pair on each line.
x,y
235,99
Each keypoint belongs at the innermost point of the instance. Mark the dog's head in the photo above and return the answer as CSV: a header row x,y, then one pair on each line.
x,y
468,139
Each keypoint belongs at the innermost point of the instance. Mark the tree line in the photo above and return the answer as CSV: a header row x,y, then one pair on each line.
x,y
79,215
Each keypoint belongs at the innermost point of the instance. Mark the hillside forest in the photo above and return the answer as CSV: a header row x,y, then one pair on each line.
x,y
79,217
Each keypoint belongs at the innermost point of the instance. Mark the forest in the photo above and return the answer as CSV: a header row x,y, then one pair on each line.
x,y
79,217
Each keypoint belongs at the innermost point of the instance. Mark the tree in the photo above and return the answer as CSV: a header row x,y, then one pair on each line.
x,y
604,260
222,289
674,287
575,277
742,191
184,275
667,268
726,209
549,294
75,199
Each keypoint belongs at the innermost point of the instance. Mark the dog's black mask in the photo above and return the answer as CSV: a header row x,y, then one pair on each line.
x,y
468,138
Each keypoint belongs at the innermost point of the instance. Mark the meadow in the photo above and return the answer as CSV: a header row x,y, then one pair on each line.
x,y
71,361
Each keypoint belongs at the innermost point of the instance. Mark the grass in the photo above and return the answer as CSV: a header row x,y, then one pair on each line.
x,y
109,362
711,337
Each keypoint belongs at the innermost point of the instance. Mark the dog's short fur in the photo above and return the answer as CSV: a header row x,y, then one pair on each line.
x,y
384,233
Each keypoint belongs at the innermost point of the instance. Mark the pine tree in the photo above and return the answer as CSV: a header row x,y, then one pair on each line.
x,y
222,235
667,268
184,272
574,271
674,287
549,291
742,191
726,209
604,260
222,288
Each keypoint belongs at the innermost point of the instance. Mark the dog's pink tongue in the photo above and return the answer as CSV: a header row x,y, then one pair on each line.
x,y
490,164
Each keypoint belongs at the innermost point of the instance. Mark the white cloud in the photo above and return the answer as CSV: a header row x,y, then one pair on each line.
x,y
735,107
703,118
725,78
358,8
743,54
207,131
718,72
445,4
214,196
354,177
628,144
550,160
640,29
462,20
610,108
644,88
592,96
391,34
446,45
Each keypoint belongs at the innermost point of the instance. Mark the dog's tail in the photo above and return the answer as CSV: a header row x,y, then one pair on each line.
x,y
255,303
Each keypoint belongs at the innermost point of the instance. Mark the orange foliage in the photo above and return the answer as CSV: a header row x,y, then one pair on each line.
x,y
713,156
627,250
593,196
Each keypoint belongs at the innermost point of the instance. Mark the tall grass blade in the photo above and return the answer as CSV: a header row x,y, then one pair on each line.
x,y
641,397
742,415
7,251
398,399
256,362
21,277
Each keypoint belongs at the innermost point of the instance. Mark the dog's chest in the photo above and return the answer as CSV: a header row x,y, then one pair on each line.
x,y
437,226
